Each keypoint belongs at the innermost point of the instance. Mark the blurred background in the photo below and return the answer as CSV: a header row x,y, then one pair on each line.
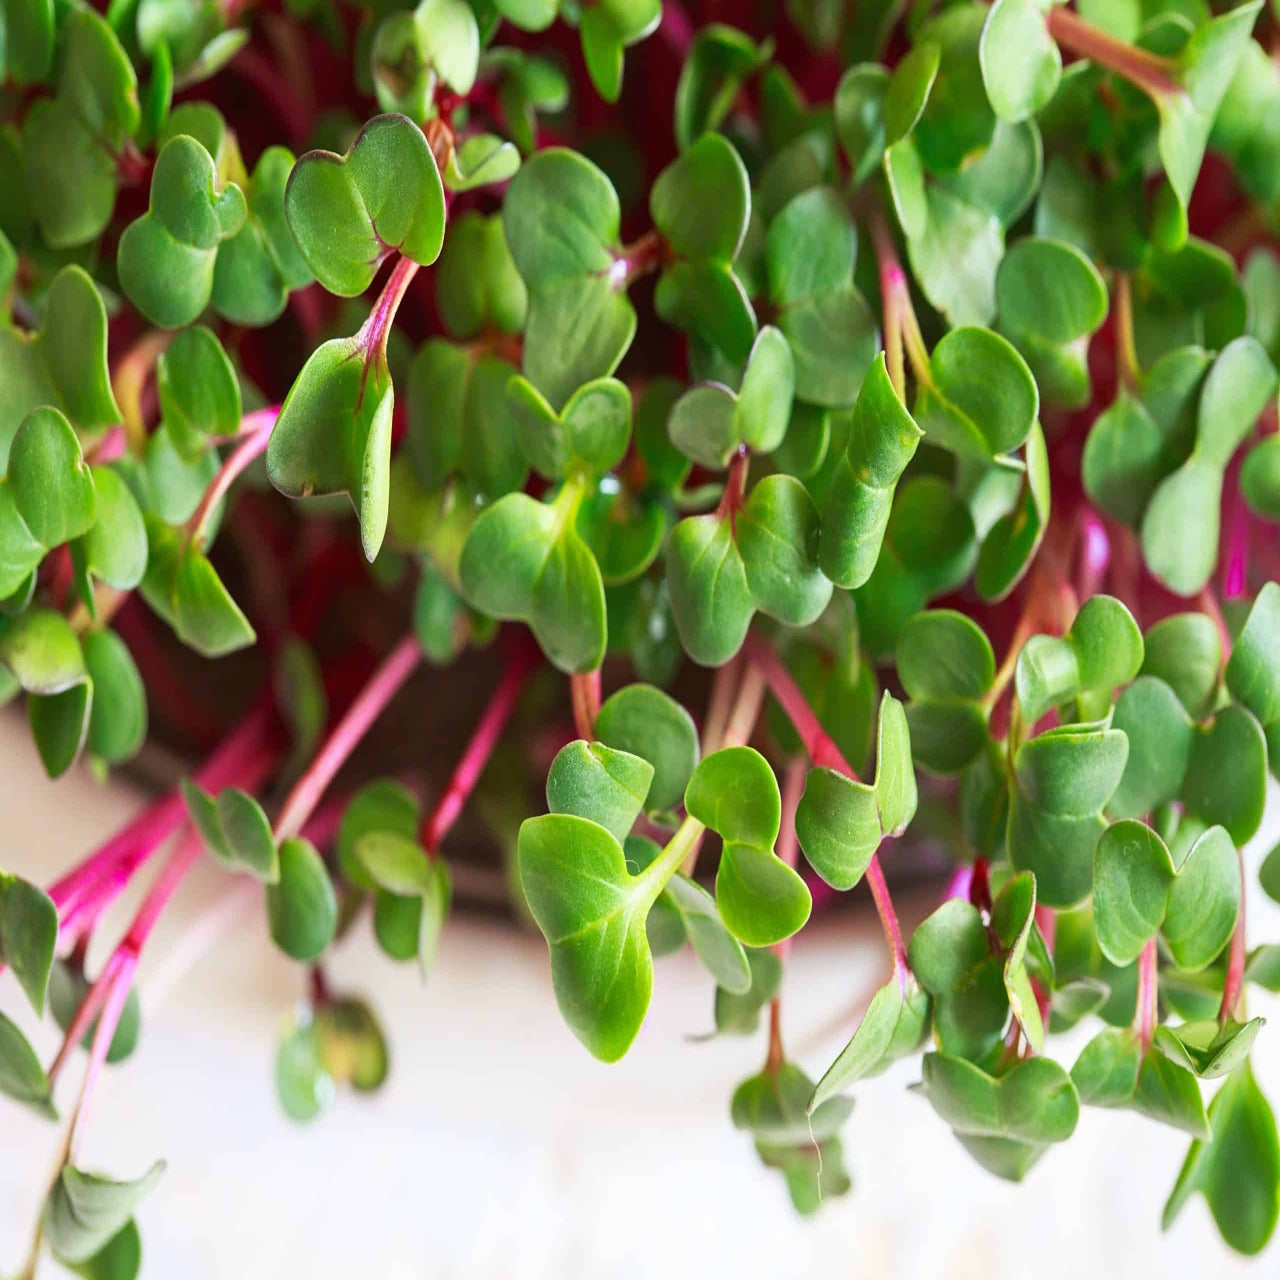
x,y
498,1148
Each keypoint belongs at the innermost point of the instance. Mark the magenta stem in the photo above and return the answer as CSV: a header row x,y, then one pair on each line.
x,y
788,846
255,432
823,751
376,329
134,843
1233,982
1147,990
370,703
479,748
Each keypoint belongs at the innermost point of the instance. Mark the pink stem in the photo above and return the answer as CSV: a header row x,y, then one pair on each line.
x,y
134,843
376,329
1233,982
120,982
255,432
675,30
478,750
372,700
824,753
1095,555
584,692
1147,988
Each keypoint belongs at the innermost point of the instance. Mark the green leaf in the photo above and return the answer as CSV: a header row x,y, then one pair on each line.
x,y
119,1259
259,265
1204,901
980,400
85,1210
1114,1071
734,792
29,41
383,807
70,141
947,667
719,61
840,821
648,723
42,652
476,279
777,532
1102,650
1021,65
394,862
598,782
709,423
561,219
198,390
1181,524
1237,1170
184,589
1185,652
68,987
1035,1102
235,830
333,434
348,212
525,560
710,597
739,1014
1253,670
590,434
302,910
303,1085
720,952
22,1077
1226,779
50,481
118,715
882,441
1061,781
701,201
166,257
115,549
1210,1049
1202,71
28,934
63,364
1011,543
895,1024
1013,923
1132,876
592,912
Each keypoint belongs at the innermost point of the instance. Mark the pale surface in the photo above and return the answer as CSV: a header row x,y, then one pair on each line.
x,y
500,1150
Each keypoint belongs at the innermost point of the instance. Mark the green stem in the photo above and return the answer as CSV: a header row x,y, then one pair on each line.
x,y
1127,368
687,837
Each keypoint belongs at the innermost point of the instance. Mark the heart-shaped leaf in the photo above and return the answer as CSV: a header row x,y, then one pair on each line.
x,y
701,201
166,257
651,724
592,912
710,598
525,560
1210,1049
1103,649
1113,1070
598,782
347,213
198,390
235,830
840,821
1060,783
382,807
760,898
590,434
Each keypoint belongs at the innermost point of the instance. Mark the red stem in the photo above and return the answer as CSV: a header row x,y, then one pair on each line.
x,y
479,748
823,751
584,691
369,704
788,847
1148,71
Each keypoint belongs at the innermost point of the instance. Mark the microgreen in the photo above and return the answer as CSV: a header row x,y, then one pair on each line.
x,y
874,453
